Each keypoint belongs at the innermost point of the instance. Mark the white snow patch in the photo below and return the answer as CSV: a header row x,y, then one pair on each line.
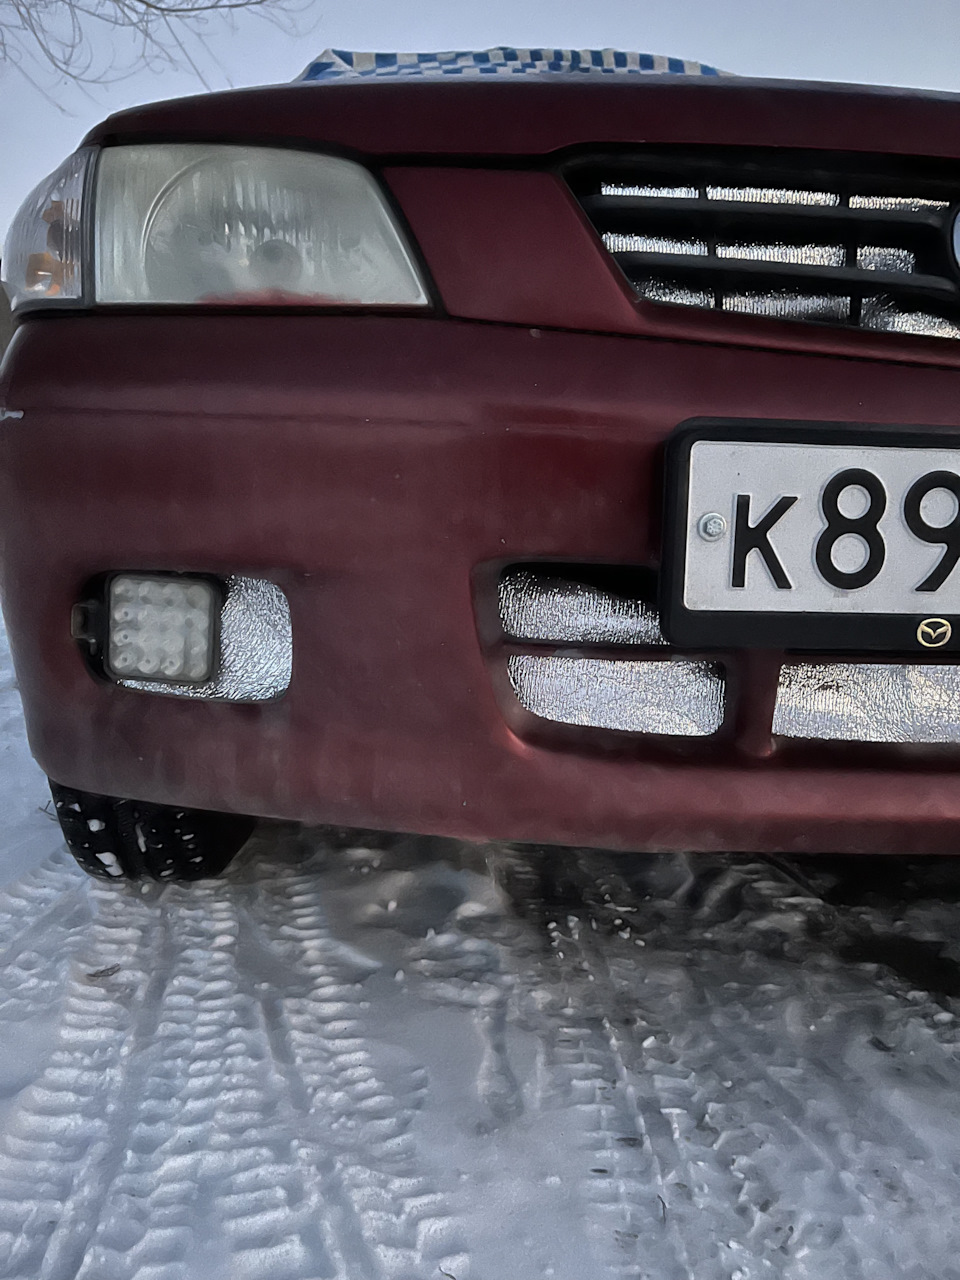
x,y
111,863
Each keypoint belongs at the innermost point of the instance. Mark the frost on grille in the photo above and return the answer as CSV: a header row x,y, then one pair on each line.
x,y
873,258
651,244
672,697
256,644
664,291
662,193
806,255
539,607
908,204
868,702
859,242
884,314
771,195
784,305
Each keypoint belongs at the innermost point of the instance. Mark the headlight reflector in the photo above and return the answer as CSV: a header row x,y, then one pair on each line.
x,y
42,258
246,225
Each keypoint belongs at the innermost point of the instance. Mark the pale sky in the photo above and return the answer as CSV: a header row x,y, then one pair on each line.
x,y
902,42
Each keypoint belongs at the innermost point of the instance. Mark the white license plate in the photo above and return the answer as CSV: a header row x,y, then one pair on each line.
x,y
848,544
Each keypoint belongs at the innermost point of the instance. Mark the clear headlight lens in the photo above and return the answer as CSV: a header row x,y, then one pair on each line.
x,y
42,257
185,224
246,225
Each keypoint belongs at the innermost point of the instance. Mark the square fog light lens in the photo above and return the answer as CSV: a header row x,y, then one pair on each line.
x,y
162,628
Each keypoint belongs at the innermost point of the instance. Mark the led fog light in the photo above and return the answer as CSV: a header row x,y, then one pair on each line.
x,y
162,629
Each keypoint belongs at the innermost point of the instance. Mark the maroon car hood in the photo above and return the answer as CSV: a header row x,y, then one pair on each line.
x,y
483,118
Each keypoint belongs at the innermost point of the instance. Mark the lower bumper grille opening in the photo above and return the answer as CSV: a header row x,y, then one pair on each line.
x,y
603,607
560,604
869,702
662,693
671,697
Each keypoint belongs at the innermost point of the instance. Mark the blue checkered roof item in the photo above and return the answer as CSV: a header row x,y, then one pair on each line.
x,y
343,64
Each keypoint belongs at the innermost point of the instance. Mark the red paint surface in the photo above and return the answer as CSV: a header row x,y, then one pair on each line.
x,y
514,246
375,468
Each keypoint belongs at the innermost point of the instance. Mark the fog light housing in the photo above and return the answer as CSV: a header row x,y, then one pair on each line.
x,y
162,629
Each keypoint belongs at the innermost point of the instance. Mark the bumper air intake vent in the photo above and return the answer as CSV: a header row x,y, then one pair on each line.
x,y
573,616
868,702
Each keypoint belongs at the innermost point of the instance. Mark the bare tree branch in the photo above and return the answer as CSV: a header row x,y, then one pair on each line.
x,y
66,36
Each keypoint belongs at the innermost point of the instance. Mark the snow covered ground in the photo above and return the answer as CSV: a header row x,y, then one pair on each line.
x,y
371,1059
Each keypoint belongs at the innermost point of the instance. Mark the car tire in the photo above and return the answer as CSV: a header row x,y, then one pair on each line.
x,y
116,839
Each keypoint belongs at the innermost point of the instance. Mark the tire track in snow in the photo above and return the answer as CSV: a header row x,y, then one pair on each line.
x,y
726,1203
400,1225
631,1119
698,1080
494,963
858,1214
206,1167
69,1126
23,903
884,1160
580,1076
201,1096
779,1117
40,918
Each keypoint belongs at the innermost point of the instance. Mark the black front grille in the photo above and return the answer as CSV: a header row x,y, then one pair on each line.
x,y
842,240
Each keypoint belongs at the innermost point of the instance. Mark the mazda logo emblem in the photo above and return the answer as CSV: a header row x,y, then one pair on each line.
x,y
933,633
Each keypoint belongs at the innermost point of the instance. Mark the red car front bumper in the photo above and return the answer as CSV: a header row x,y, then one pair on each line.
x,y
380,471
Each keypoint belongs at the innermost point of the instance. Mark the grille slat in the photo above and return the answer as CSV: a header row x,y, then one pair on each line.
x,y
610,212
737,273
834,239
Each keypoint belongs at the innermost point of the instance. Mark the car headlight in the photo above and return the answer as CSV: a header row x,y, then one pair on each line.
x,y
182,224
43,254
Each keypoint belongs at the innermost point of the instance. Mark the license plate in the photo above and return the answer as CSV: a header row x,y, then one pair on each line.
x,y
813,538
